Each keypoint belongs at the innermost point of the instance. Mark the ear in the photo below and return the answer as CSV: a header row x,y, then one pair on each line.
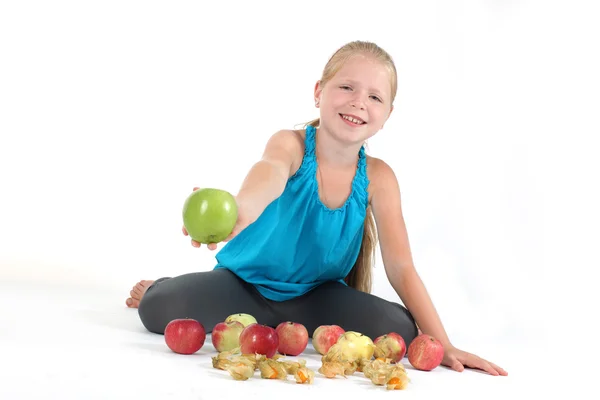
x,y
318,90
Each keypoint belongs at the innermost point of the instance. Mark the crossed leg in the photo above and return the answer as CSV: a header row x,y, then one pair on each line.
x,y
211,296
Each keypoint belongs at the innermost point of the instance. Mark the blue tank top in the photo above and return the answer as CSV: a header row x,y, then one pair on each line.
x,y
298,243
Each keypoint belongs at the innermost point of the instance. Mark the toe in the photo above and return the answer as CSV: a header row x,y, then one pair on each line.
x,y
132,303
140,287
145,286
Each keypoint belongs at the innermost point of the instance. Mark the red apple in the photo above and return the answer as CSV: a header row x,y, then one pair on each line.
x,y
326,336
259,339
185,335
293,338
392,346
226,335
425,352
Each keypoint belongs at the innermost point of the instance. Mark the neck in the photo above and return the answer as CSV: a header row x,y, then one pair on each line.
x,y
332,152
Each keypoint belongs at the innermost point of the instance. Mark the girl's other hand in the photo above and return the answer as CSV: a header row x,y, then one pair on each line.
x,y
459,359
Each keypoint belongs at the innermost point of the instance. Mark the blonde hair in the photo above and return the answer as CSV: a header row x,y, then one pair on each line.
x,y
360,277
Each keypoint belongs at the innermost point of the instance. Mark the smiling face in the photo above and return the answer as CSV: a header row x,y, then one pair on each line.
x,y
357,101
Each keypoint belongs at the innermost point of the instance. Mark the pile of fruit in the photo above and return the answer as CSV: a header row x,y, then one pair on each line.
x,y
245,346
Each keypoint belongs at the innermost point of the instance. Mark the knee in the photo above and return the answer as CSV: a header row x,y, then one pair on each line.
x,y
399,320
157,308
148,311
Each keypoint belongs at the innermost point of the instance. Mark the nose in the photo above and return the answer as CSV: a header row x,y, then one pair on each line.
x,y
358,102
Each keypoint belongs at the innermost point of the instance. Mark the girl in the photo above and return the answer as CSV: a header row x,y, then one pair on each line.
x,y
310,213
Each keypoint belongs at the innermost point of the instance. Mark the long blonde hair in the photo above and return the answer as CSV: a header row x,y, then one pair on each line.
x,y
360,277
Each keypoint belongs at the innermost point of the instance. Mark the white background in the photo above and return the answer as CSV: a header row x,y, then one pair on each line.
x,y
111,112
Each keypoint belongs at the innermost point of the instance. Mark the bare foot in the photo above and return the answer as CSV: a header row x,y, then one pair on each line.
x,y
137,293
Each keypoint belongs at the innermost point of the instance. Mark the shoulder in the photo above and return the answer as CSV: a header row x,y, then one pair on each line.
x,y
288,138
381,177
288,145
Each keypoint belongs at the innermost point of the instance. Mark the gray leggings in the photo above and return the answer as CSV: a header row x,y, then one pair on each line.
x,y
211,296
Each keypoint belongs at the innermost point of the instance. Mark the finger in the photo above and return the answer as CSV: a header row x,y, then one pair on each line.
x,y
185,232
489,369
196,188
212,246
457,365
231,235
484,366
195,244
498,369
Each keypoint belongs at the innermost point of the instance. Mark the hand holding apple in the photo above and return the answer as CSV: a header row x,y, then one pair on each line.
x,y
209,216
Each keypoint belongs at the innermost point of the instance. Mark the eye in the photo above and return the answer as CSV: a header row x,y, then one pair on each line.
x,y
345,87
376,98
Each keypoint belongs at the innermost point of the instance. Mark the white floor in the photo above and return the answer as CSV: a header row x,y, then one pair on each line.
x,y
68,343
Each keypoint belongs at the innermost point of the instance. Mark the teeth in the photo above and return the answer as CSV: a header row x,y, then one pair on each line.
x,y
352,120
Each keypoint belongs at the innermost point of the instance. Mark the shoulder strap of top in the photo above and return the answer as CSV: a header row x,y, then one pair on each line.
x,y
309,142
361,180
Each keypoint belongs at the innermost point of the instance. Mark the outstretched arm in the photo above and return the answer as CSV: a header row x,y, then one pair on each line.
x,y
265,181
401,272
267,178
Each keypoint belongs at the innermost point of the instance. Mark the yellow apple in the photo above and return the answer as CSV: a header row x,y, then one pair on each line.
x,y
351,346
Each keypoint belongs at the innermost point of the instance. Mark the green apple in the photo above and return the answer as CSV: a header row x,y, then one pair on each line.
x,y
209,215
245,319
